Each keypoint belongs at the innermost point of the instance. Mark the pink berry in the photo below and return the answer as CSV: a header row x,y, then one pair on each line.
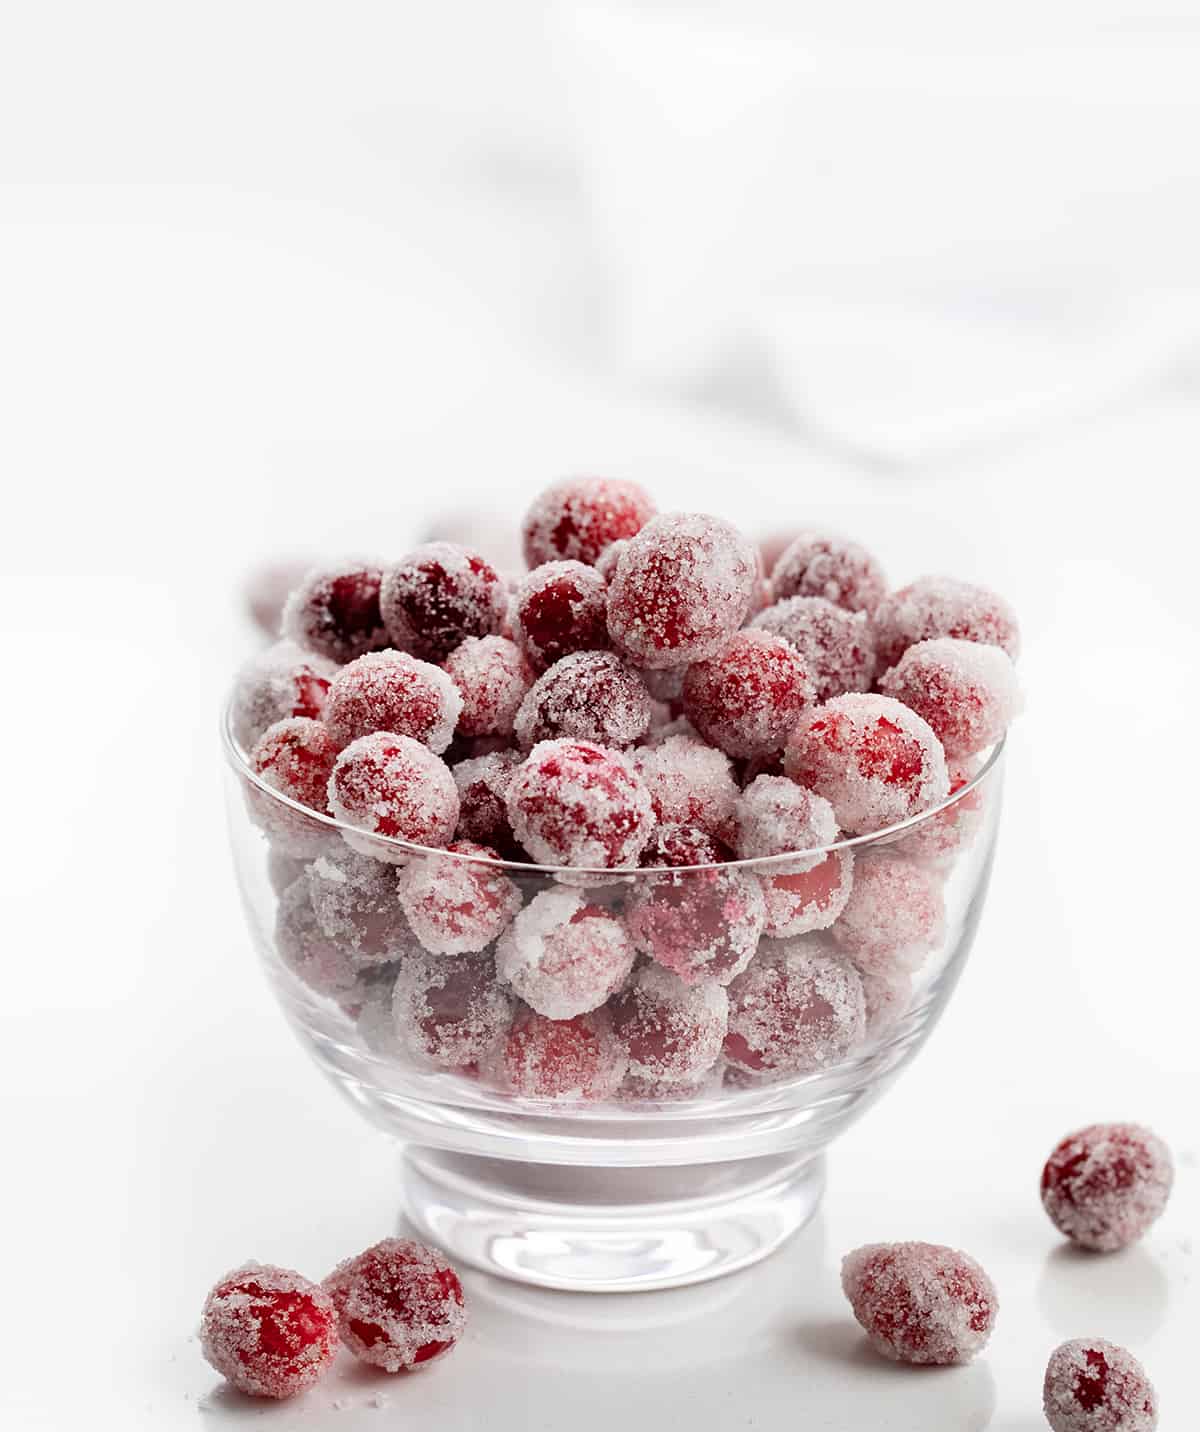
x,y
354,901
676,846
894,916
280,682
681,589
942,606
588,696
492,678
559,608
748,696
392,691
579,804
439,595
690,783
796,1009
295,758
561,1059
672,1031
564,956
326,965
920,1302
448,1011
457,906
822,564
269,1331
482,785
966,691
395,787
1106,1184
837,647
701,924
579,517
801,901
874,760
775,816
939,837
335,611
1095,1386
400,1304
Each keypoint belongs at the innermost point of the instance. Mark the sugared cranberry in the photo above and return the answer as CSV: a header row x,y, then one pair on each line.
x,y
576,803
748,696
269,1331
606,562
823,564
805,892
335,611
562,1059
439,595
483,783
672,1031
395,787
920,1302
449,1010
894,915
874,760
392,691
1106,1184
280,682
888,994
801,901
940,836
966,691
942,606
400,1304
354,901
559,608
1096,1386
295,757
326,965
456,903
579,517
837,647
564,956
690,783
676,846
700,924
492,678
588,696
681,589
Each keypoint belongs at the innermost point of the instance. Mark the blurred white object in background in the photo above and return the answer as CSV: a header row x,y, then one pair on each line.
x,y
911,232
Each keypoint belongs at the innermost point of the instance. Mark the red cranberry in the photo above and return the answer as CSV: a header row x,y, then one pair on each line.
x,y
269,1331
1106,1184
335,611
579,517
439,595
559,608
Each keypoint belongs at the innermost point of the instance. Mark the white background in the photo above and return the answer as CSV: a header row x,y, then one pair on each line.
x,y
282,278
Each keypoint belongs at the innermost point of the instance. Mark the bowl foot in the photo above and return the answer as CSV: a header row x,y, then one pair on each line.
x,y
615,1230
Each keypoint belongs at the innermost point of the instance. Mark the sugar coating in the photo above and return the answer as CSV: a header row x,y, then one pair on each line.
x,y
579,517
942,606
581,804
295,757
775,816
874,760
941,836
448,1011
1092,1385
888,995
400,1305
824,564
561,1059
354,902
702,925
335,610
966,691
681,589
439,595
799,902
895,914
564,956
747,696
325,965
920,1302
268,1331
796,1009
395,787
836,646
558,608
676,846
690,783
492,678
1104,1185
672,1032
393,691
280,682
587,696
454,905
483,783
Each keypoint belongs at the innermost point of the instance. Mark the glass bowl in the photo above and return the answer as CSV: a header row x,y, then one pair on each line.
x,y
552,1162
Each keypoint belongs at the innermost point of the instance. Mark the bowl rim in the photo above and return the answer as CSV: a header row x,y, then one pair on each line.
x,y
239,762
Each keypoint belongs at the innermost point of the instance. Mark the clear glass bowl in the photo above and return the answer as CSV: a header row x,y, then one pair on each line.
x,y
640,1185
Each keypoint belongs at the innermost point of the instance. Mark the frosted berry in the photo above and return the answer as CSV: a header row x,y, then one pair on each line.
x,y
354,901
295,758
606,562
681,589
920,1302
795,1010
676,846
483,783
823,564
269,1331
395,787
1106,1184
874,760
589,696
561,1059
966,691
1095,1386
776,816
580,516
576,803
455,903
837,647
894,915
400,1304
563,955
888,994
939,837
392,691
801,901
942,606
439,595
449,1010
700,924
328,967
280,682
690,783
492,678
748,696
672,1031
559,608
335,611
